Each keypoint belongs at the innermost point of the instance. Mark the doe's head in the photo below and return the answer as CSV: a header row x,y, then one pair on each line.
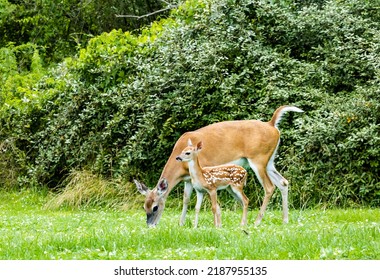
x,y
154,200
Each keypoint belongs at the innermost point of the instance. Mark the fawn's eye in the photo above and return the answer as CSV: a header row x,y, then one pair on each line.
x,y
155,208
187,153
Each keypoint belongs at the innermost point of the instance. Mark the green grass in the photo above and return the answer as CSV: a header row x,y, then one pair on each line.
x,y
30,231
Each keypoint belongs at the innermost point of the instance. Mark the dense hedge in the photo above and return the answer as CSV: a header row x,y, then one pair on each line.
x,y
120,105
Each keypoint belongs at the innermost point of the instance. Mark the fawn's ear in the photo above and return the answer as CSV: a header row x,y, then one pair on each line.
x,y
199,146
162,186
189,143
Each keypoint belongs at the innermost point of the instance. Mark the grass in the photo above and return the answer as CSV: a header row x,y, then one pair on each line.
x,y
29,230
83,189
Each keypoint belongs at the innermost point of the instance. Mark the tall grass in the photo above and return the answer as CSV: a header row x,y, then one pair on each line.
x,y
30,231
85,189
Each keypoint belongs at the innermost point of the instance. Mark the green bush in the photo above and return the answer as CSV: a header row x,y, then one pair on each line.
x,y
340,160
20,109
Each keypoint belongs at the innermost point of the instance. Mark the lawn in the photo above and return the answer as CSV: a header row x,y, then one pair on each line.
x,y
29,231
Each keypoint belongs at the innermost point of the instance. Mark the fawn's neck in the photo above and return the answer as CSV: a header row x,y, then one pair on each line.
x,y
196,172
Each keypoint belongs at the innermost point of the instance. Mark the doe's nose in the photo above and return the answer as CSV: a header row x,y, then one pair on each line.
x,y
178,159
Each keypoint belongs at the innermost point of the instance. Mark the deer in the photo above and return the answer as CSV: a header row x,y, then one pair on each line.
x,y
248,143
211,179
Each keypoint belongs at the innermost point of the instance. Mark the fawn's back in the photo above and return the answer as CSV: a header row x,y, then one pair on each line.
x,y
224,175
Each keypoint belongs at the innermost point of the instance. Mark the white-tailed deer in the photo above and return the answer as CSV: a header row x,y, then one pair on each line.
x,y
211,179
250,143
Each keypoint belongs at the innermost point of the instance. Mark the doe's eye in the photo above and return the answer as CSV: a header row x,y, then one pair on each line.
x,y
187,153
155,208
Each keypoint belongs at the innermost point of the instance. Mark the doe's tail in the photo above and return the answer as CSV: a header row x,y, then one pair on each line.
x,y
277,115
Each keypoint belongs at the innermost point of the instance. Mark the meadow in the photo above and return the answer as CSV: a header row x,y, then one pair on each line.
x,y
30,231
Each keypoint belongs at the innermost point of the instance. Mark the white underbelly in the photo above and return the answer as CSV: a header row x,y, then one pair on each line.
x,y
241,161
199,188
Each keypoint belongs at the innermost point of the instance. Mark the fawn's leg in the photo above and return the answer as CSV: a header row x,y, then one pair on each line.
x,y
215,209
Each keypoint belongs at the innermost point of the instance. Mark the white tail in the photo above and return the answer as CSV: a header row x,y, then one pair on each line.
x,y
211,179
277,116
247,142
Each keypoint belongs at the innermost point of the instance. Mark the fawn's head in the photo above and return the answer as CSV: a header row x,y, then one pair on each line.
x,y
190,152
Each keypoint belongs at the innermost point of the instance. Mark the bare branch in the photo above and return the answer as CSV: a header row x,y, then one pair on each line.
x,y
166,2
170,6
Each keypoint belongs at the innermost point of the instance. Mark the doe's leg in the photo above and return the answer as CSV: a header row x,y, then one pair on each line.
x,y
198,207
283,185
268,186
186,200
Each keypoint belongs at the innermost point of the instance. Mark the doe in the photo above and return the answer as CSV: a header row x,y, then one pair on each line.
x,y
211,179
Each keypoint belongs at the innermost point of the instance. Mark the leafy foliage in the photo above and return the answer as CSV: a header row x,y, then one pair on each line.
x,y
60,27
119,106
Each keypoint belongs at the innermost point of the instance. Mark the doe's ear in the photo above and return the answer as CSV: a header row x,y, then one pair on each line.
x,y
162,186
141,187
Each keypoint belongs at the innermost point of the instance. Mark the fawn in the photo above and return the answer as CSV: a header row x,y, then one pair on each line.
x,y
210,179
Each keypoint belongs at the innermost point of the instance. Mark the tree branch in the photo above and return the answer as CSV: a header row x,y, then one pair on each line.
x,y
166,2
150,14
